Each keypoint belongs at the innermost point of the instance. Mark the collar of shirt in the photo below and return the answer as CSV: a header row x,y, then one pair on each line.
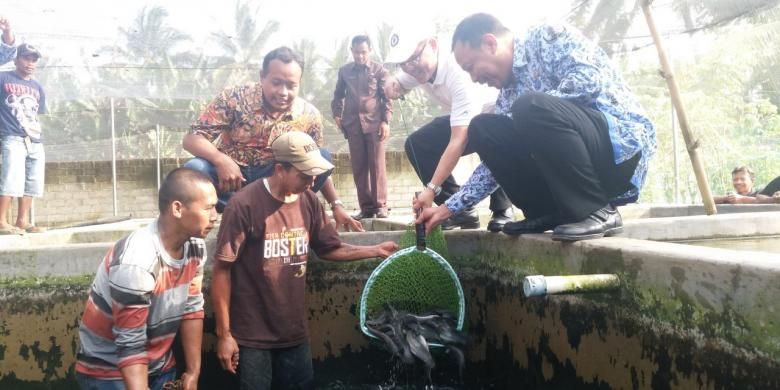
x,y
360,67
295,110
441,67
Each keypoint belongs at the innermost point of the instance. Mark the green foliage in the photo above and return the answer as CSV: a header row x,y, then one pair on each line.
x,y
415,282
730,86
434,240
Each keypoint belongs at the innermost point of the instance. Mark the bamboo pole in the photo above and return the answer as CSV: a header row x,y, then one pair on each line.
x,y
690,143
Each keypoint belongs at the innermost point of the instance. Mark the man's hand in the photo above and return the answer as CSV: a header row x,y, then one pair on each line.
x,y
227,353
385,249
189,381
424,200
736,198
229,174
433,216
5,26
384,131
393,89
343,219
340,127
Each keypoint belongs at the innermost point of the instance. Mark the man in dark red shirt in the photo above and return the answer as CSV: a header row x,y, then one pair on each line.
x,y
259,277
362,112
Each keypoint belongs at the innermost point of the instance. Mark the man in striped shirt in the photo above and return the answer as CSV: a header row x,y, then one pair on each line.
x,y
148,288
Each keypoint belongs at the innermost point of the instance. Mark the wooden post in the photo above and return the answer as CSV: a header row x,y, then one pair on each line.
x,y
690,143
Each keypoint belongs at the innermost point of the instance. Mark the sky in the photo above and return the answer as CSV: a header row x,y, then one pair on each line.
x,y
67,29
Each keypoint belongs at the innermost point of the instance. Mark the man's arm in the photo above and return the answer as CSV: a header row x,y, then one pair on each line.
x,y
191,339
135,376
339,213
386,104
228,171
131,290
337,104
347,252
7,46
8,34
447,162
227,348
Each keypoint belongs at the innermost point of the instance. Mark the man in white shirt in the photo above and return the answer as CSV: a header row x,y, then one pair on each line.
x,y
434,149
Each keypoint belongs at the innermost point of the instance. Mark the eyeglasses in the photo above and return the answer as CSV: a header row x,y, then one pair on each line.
x,y
411,64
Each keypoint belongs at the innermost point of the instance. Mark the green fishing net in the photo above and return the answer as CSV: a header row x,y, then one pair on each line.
x,y
414,281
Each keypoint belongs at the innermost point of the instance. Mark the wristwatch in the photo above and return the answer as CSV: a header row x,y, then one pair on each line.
x,y
433,187
336,203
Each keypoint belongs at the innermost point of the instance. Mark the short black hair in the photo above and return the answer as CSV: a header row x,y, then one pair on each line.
x,y
471,29
358,39
284,54
179,185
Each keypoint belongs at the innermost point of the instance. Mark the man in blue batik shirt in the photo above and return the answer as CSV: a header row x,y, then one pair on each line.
x,y
569,141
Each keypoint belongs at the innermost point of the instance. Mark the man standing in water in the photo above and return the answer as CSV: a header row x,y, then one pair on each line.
x,y
258,283
146,290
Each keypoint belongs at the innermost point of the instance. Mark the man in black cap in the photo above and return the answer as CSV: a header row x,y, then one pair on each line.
x,y
21,147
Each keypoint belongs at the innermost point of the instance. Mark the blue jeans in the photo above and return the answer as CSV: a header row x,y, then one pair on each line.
x,y
156,382
285,368
23,167
250,173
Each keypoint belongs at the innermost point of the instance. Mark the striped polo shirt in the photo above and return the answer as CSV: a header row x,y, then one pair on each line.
x,y
137,302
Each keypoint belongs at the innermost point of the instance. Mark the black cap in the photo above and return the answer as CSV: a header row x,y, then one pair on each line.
x,y
26,49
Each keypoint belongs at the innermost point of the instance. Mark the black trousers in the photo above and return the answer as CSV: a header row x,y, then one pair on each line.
x,y
424,148
552,157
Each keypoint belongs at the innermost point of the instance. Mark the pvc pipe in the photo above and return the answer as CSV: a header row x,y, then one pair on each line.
x,y
540,285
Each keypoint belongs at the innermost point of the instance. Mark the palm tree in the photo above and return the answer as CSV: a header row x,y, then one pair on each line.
x,y
243,47
148,40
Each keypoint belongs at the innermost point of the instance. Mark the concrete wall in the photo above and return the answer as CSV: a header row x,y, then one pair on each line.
x,y
82,191
685,317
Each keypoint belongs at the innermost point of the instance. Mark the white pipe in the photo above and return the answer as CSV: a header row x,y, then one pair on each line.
x,y
540,285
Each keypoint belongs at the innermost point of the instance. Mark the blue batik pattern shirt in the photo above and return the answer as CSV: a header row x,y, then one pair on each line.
x,y
560,61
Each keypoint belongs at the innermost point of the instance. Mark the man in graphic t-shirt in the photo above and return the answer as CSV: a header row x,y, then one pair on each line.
x,y
23,160
258,280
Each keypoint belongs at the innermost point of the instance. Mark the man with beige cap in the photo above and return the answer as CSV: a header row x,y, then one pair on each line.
x,y
434,149
258,283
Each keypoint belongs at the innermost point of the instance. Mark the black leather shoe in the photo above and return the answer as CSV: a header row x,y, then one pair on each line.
x,y
499,219
362,215
605,221
466,219
533,225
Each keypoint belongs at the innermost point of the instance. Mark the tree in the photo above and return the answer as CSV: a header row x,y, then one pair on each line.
x,y
243,47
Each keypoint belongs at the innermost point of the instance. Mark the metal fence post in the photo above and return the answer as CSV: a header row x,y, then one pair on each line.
x,y
113,156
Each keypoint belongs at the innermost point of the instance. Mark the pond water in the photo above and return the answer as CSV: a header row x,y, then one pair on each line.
x,y
770,244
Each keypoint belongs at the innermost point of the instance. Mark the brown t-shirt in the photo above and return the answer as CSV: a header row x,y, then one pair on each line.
x,y
268,241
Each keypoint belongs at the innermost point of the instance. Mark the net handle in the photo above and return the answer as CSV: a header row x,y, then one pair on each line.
x,y
419,228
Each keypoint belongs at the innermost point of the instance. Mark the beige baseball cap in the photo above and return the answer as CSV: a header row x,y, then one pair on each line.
x,y
300,150
403,43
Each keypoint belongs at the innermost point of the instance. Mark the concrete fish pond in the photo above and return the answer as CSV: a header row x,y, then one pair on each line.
x,y
684,317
